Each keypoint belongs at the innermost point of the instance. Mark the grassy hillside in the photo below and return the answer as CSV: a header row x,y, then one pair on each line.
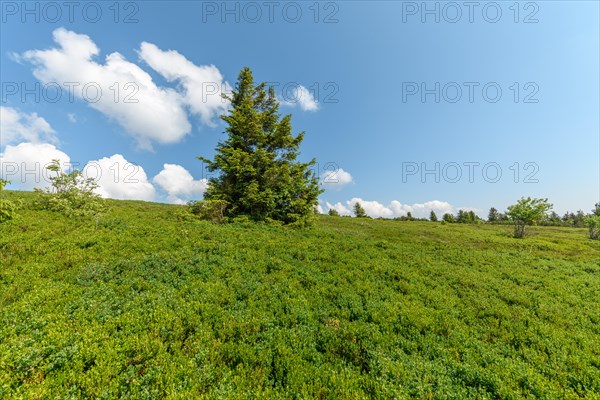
x,y
142,306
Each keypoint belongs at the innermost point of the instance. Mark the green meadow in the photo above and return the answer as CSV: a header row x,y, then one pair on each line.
x,y
144,302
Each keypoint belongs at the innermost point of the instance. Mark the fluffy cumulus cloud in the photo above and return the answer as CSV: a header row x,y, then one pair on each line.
x,y
373,208
301,96
339,207
179,184
127,94
117,178
421,210
395,209
336,179
25,164
117,88
16,126
202,85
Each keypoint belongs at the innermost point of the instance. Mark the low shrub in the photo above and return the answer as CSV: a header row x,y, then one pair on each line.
x,y
8,208
593,223
71,194
209,210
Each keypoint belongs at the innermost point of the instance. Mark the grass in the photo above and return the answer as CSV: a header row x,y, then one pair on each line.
x,y
139,305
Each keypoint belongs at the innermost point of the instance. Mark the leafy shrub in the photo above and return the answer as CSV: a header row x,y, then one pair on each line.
x,y
273,222
448,218
7,207
527,211
333,212
71,194
209,210
7,210
241,219
359,211
593,223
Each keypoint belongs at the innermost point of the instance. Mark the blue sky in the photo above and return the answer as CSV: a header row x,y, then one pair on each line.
x,y
363,66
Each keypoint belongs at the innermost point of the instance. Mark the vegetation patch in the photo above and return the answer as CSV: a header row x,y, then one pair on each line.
x,y
143,304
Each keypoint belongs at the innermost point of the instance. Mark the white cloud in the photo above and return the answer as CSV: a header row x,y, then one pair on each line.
x,y
373,208
202,85
339,207
72,118
421,210
395,209
298,94
179,184
25,164
319,208
127,94
117,178
16,126
336,179
157,116
306,99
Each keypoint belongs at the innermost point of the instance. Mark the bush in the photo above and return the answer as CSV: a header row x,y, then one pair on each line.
x,y
527,211
7,207
448,218
273,222
71,194
209,210
7,210
593,223
241,219
359,211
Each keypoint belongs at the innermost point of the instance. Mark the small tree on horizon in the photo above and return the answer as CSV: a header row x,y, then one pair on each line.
x,y
359,211
259,175
449,218
527,211
493,215
432,216
333,212
472,218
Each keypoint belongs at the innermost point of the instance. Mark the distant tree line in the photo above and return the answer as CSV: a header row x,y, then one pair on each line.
x,y
569,219
526,211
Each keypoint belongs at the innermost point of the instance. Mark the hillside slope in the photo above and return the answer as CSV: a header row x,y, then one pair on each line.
x,y
141,305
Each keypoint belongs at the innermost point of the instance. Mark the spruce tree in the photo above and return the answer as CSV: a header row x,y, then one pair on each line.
x,y
258,172
493,215
432,216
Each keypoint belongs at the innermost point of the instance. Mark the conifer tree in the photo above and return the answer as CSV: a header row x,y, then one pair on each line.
x,y
493,215
432,216
258,172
